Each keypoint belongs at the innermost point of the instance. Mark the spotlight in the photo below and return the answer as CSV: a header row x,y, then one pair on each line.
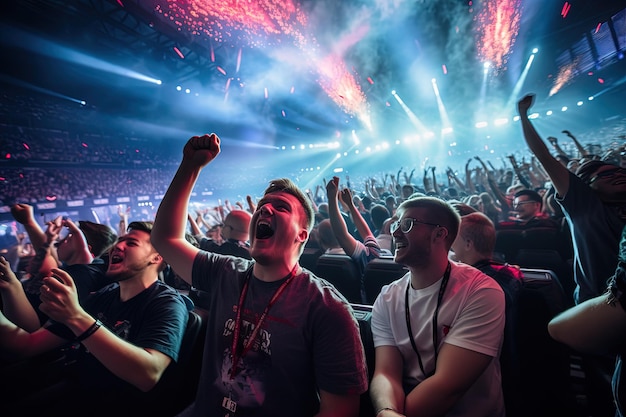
x,y
590,98
564,108
187,90
535,50
486,65
580,103
549,113
480,125
393,92
178,88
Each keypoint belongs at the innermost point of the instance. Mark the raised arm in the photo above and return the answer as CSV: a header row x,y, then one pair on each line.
x,y
583,152
435,183
168,233
23,214
555,144
359,222
469,184
559,175
338,224
15,304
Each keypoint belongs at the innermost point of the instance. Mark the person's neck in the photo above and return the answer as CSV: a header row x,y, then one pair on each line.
x,y
274,272
422,277
133,286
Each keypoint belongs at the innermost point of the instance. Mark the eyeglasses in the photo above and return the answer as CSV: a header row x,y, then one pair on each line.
x,y
521,203
607,173
406,225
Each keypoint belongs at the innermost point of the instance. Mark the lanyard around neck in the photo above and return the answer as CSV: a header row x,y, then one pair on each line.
x,y
236,356
407,310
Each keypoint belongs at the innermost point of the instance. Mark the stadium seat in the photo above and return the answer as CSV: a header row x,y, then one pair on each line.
x,y
536,376
342,272
363,314
378,273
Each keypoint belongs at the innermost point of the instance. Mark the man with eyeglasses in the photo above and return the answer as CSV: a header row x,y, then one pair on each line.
x,y
528,206
594,204
437,330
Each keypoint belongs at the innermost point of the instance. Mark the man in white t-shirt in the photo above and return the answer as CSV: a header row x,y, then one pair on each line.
x,y
439,329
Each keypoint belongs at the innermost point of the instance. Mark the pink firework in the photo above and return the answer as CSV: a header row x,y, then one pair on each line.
x,y
252,21
260,24
497,28
564,77
342,87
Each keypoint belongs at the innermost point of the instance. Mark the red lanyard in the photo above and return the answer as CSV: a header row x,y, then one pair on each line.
x,y
242,297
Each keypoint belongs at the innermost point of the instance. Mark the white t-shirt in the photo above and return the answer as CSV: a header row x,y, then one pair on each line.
x,y
471,316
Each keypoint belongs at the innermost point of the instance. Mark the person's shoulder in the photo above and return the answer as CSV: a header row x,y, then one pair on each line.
x,y
470,275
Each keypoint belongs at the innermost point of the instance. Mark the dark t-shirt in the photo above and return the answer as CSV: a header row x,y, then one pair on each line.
x,y
228,247
310,340
155,319
88,278
595,228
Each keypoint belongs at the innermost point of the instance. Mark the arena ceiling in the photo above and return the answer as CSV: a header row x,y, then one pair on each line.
x,y
282,72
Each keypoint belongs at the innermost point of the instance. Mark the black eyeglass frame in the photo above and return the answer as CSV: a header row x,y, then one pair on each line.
x,y
398,224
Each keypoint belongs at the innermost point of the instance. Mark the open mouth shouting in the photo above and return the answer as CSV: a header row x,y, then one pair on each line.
x,y
263,230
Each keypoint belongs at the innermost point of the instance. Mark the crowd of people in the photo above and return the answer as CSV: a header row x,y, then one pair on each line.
x,y
283,341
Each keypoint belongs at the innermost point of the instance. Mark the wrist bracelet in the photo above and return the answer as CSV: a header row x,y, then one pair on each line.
x,y
617,287
91,330
380,410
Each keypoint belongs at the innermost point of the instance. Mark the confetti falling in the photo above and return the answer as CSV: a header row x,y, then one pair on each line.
x,y
565,76
497,26
342,88
262,24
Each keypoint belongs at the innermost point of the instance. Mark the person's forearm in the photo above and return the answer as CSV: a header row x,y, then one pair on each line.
x,y
386,393
430,399
170,220
131,363
359,222
195,230
17,308
37,236
339,225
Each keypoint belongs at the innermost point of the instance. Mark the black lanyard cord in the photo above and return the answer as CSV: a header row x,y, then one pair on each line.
x,y
442,290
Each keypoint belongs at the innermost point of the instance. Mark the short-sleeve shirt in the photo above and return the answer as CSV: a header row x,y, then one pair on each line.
x,y
155,318
310,340
471,316
595,228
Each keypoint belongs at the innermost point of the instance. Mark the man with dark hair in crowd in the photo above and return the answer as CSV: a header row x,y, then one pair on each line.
x,y
528,205
125,336
438,329
281,342
594,204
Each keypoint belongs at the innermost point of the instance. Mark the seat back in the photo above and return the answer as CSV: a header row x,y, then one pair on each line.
x,y
551,260
342,272
380,272
309,258
178,384
363,314
537,378
507,243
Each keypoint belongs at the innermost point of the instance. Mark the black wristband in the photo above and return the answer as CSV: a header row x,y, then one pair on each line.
x,y
91,330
